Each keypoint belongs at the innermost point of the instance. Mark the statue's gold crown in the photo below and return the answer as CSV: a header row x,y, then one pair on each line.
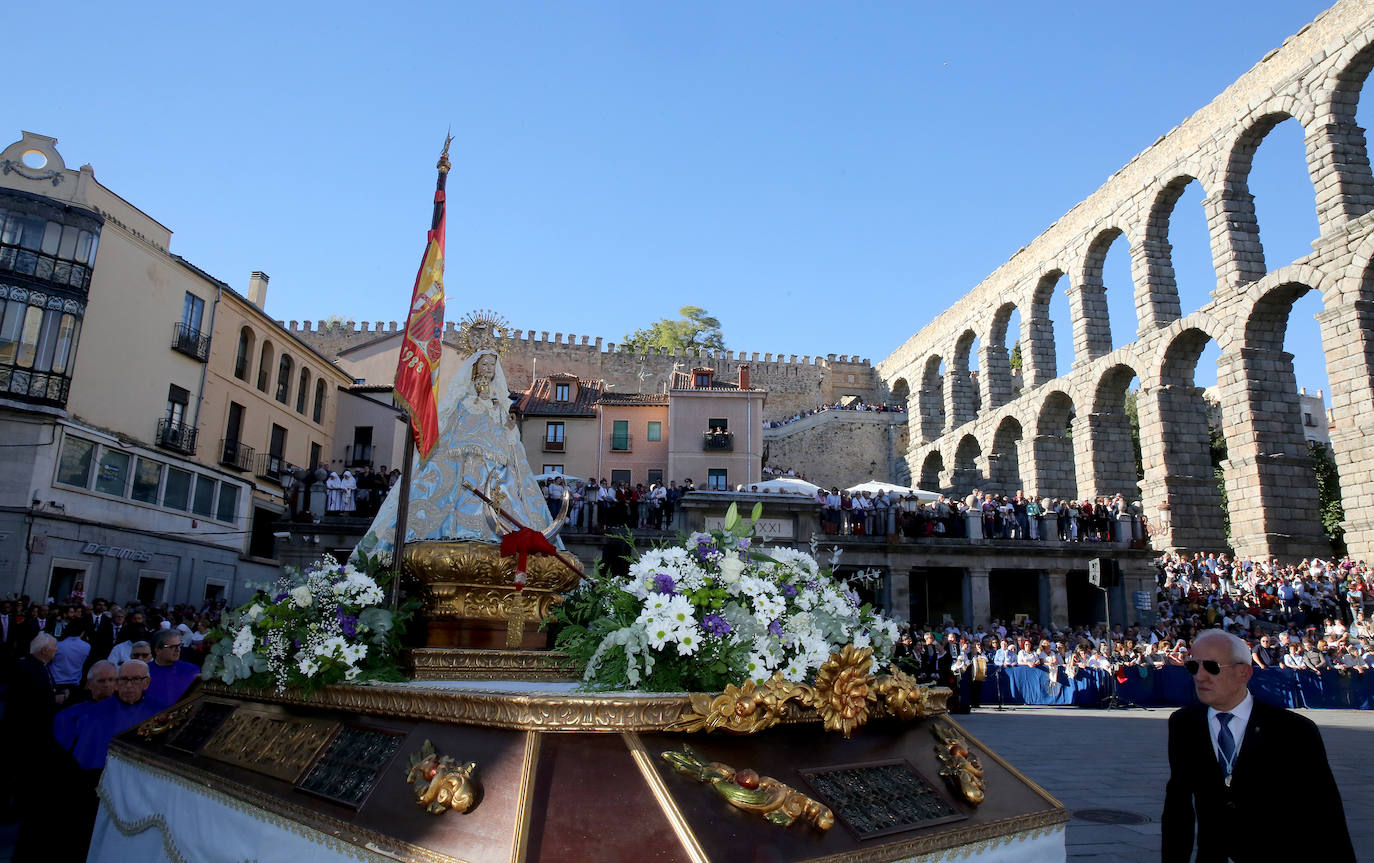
x,y
482,330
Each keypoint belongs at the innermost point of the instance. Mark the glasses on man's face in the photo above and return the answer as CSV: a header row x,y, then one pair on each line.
x,y
176,646
132,679
141,656
1210,665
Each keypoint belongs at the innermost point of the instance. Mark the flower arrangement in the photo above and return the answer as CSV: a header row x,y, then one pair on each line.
x,y
718,611
325,625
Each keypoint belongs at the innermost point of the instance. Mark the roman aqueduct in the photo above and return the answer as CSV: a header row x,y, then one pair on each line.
x,y
1069,436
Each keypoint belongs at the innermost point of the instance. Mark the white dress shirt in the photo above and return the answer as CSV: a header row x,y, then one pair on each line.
x,y
1240,717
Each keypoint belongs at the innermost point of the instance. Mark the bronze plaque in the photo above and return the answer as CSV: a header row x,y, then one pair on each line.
x,y
206,720
349,767
269,742
880,797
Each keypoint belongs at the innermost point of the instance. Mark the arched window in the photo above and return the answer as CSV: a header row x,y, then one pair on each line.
x,y
302,389
264,366
243,358
319,400
284,369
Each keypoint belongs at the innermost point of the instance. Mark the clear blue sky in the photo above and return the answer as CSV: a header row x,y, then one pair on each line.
x,y
823,177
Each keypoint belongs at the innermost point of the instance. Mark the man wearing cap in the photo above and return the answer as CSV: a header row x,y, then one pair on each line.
x,y
1226,756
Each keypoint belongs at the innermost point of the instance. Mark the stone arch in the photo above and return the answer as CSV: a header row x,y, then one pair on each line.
x,y
1051,470
932,469
265,366
931,399
996,370
1157,301
1004,462
1236,248
243,355
1041,365
1104,438
968,472
901,393
1092,330
1340,146
962,394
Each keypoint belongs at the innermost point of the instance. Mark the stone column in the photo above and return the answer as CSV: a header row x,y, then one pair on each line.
x,y
1050,467
1175,446
1152,265
1102,446
1092,334
1057,582
1270,487
977,600
1339,165
1037,352
995,380
960,399
973,524
1236,251
1348,340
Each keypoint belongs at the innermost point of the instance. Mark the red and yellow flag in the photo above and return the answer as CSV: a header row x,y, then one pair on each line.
x,y
417,373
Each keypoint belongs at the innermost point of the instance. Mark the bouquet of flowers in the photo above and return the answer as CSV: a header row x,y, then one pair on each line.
x,y
718,611
325,625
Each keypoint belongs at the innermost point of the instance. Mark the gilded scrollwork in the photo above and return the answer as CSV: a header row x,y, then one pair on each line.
x,y
165,721
440,783
747,790
844,696
960,767
473,580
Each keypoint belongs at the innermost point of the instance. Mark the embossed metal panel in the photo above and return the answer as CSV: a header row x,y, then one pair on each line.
x,y
880,797
202,724
269,741
350,766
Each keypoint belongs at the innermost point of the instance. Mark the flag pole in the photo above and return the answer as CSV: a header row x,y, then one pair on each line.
x,y
408,461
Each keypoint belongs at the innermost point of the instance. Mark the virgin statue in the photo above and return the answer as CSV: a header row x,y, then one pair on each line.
x,y
478,445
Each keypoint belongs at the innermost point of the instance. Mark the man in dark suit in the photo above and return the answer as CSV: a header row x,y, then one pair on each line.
x,y
1227,756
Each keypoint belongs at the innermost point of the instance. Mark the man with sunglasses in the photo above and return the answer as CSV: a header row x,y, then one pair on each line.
x,y
1227,754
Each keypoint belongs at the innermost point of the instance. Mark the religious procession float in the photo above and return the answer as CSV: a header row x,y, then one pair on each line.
x,y
718,698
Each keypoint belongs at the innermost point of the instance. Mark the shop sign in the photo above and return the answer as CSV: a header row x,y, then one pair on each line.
x,y
117,551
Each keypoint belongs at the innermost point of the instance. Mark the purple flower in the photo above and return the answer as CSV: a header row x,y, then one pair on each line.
x,y
714,624
279,597
743,543
776,628
789,589
663,583
348,624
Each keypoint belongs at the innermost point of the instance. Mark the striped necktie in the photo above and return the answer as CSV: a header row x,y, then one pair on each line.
x,y
1226,743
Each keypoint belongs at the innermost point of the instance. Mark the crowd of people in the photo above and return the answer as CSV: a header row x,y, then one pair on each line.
x,y
75,676
596,507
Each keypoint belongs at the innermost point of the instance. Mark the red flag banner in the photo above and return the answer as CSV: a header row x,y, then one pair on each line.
x,y
417,373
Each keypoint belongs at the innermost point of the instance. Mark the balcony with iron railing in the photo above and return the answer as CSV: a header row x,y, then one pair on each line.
x,y
176,436
621,443
271,466
191,342
718,442
359,455
553,446
235,455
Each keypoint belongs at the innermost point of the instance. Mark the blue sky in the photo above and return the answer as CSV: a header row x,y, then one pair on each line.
x,y
823,177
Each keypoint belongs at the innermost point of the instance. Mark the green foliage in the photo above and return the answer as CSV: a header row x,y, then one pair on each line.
x,y
1329,495
1016,359
696,329
1132,409
1218,450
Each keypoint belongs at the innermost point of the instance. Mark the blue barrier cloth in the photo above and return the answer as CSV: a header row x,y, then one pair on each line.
x,y
1172,685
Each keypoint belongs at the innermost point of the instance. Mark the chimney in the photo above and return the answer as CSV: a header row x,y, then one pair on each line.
x,y
257,289
744,376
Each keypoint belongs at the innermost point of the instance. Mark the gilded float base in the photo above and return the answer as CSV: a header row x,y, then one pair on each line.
x,y
557,775
458,663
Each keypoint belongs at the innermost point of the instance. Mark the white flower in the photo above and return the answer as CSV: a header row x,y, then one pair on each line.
x,y
253,613
243,641
730,570
301,596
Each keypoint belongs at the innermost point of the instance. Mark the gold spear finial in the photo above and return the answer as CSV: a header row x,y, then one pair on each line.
x,y
443,157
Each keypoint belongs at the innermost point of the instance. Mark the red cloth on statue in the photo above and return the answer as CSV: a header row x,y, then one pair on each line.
x,y
520,543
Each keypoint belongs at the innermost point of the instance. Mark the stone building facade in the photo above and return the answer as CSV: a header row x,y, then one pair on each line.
x,y
1069,435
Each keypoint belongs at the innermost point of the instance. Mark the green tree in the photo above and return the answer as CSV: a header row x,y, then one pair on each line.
x,y
1133,414
696,329
1218,449
1328,494
1016,355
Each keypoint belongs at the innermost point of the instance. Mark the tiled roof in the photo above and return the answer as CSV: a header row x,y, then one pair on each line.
x,y
538,399
687,381
610,398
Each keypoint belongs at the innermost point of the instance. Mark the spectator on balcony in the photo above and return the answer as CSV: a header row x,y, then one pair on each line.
x,y
334,491
348,485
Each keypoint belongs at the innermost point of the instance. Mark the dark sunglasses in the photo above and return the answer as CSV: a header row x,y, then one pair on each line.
x,y
1213,667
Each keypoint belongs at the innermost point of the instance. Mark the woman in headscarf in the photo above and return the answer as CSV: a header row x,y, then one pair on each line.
x,y
348,487
478,444
334,491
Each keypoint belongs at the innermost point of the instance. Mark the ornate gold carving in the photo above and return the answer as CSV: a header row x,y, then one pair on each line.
x,y
441,783
165,721
460,663
747,790
844,696
690,844
267,742
960,767
472,579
